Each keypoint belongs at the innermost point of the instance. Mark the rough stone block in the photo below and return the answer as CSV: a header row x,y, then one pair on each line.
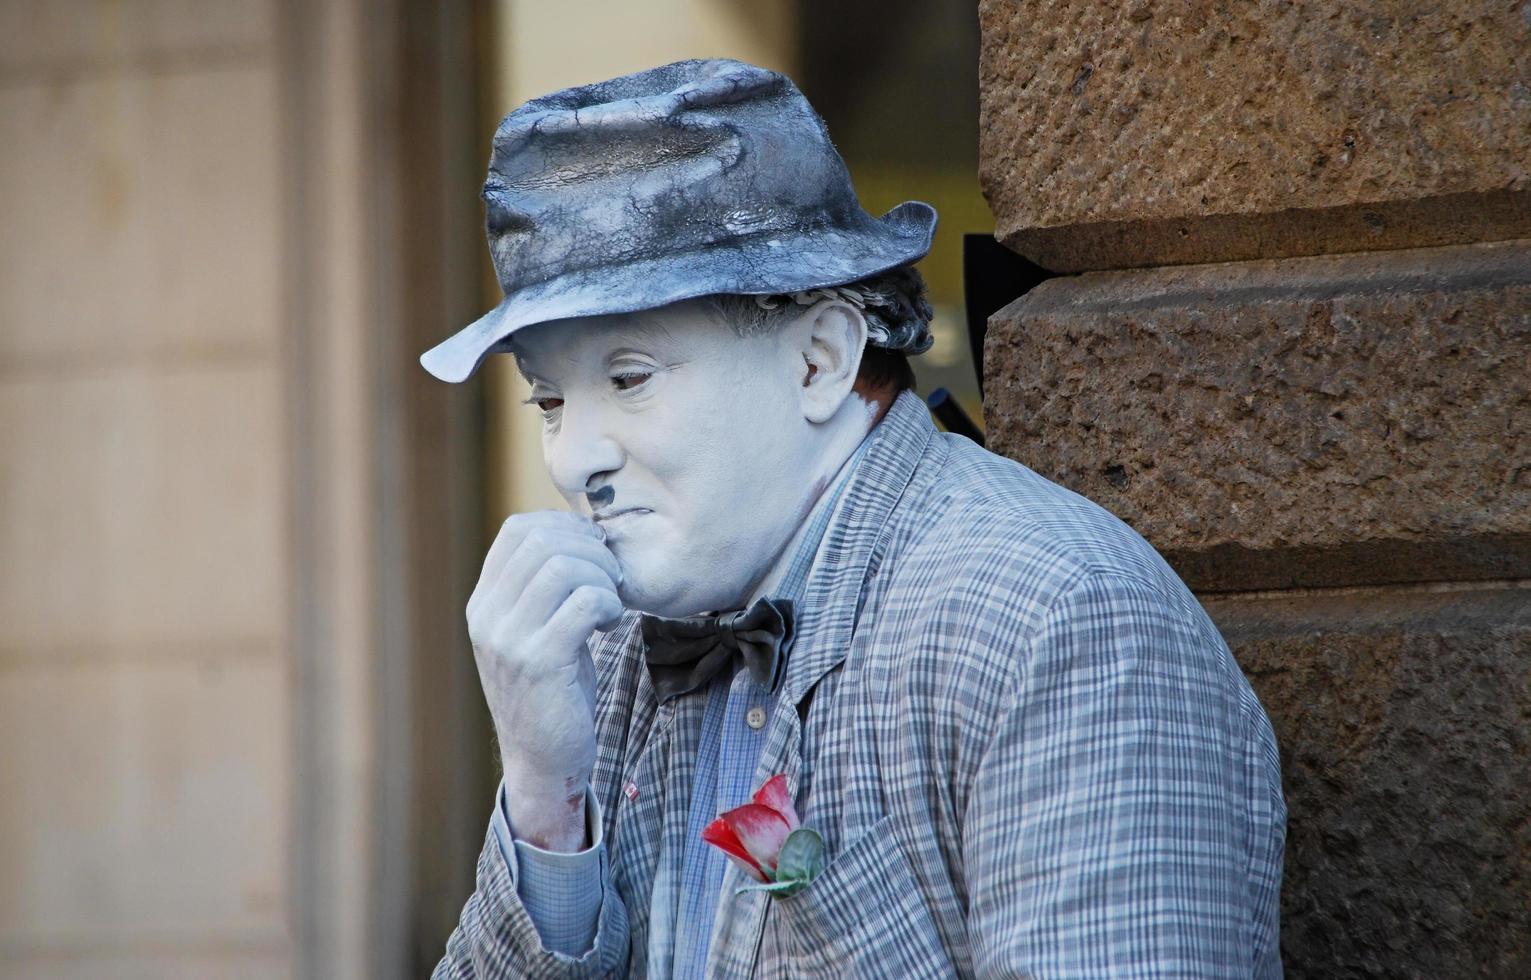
x,y
1161,132
1346,420
1404,721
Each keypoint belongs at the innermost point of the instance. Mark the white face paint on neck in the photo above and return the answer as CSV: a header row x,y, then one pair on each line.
x,y
688,444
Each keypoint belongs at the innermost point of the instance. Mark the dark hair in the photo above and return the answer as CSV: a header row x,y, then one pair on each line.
x,y
893,303
882,368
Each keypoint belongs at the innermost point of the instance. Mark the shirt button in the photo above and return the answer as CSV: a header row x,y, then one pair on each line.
x,y
755,718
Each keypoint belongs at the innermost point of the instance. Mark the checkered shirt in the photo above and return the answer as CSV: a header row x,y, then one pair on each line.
x,y
562,892
1028,750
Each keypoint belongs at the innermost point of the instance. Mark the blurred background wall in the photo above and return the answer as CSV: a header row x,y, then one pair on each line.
x,y
238,726
241,733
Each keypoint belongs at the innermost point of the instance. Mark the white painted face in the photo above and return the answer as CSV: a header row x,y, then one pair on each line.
x,y
698,451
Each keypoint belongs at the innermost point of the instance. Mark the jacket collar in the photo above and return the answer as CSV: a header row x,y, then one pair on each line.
x,y
857,537
853,545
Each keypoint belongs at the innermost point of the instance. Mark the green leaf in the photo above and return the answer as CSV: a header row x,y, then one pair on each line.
x,y
781,889
801,858
800,861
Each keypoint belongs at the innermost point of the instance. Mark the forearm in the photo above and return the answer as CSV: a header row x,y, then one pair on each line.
x,y
548,814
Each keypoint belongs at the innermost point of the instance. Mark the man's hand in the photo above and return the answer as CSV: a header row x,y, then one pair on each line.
x,y
548,582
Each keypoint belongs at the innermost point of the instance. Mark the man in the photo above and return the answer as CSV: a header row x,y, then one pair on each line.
x,y
1028,751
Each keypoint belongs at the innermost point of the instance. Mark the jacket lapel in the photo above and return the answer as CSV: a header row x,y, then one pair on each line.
x,y
853,547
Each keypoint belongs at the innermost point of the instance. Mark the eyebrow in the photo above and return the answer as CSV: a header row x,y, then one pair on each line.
x,y
640,325
649,326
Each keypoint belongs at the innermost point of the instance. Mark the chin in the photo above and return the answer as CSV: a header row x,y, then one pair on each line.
x,y
670,599
662,589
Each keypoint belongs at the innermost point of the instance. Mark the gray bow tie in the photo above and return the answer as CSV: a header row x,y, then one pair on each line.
x,y
684,654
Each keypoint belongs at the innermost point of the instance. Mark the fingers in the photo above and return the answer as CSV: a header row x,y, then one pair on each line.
x,y
536,551
518,527
528,540
556,581
587,609
548,584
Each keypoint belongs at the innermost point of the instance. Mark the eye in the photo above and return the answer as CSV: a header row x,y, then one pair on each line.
x,y
630,380
548,404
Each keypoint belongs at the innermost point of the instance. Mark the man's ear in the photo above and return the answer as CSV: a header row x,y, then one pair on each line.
x,y
831,346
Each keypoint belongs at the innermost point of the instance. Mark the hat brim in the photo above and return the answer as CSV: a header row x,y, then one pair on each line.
x,y
760,265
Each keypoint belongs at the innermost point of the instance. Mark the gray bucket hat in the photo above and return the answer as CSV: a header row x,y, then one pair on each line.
x,y
696,178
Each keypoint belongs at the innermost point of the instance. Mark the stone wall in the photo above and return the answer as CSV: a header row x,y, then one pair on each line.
x,y
1315,400
1149,133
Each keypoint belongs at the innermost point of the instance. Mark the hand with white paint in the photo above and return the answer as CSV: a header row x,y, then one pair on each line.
x,y
547,584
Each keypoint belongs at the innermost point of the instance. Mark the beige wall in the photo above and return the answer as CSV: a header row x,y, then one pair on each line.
x,y
144,667
209,656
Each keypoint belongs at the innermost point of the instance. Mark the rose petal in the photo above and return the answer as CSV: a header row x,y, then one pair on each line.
x,y
774,794
720,835
749,867
760,829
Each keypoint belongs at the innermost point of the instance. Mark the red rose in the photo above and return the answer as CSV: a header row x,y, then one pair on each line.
x,y
764,838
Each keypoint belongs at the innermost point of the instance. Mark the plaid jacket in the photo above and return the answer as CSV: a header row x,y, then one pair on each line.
x,y
1029,752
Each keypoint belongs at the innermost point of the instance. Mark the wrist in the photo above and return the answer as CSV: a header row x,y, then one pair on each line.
x,y
546,814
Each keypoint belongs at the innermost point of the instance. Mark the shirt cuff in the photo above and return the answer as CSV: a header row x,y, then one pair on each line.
x,y
561,891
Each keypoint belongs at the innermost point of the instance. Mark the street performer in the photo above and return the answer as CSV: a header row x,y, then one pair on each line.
x,y
801,686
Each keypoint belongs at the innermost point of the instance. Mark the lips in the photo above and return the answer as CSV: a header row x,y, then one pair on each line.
x,y
604,517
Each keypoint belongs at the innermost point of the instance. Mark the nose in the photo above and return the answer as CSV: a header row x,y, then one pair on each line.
x,y
581,451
